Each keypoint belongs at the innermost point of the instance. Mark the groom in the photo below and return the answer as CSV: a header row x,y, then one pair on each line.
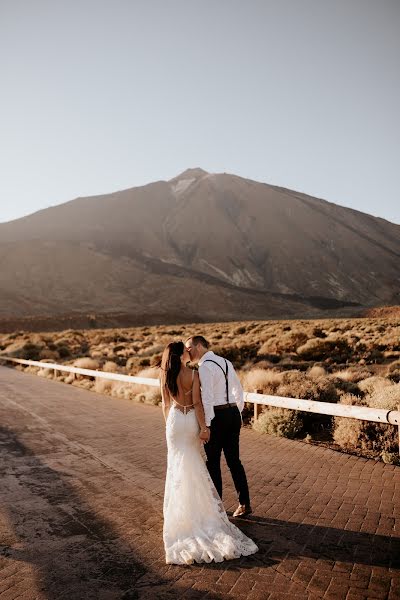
x,y
223,402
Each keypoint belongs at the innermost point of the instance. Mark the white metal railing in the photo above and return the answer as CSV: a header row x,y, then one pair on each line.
x,y
364,413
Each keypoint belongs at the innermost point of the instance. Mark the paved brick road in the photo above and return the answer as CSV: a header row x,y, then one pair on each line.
x,y
81,509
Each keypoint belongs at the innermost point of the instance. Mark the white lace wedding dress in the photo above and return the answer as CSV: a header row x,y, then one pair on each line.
x,y
196,526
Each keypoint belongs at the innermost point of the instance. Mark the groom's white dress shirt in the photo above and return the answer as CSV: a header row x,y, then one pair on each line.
x,y
213,387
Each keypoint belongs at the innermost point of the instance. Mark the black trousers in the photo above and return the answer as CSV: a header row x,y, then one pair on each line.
x,y
225,432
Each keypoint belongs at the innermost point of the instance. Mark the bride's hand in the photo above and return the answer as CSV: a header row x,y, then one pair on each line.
x,y
204,435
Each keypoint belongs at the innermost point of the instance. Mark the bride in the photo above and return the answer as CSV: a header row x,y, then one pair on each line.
x,y
196,526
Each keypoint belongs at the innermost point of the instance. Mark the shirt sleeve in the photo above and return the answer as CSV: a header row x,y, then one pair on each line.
x,y
206,383
237,390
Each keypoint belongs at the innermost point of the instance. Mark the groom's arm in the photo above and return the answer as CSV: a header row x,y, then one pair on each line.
x,y
237,390
206,382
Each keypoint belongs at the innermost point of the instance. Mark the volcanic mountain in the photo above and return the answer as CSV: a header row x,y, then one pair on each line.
x,y
201,246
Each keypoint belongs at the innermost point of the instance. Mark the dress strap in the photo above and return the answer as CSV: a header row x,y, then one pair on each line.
x,y
191,389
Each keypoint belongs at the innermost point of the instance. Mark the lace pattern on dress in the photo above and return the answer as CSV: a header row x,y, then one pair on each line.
x,y
196,526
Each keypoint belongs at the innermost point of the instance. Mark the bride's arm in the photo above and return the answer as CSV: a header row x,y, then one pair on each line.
x,y
199,410
165,399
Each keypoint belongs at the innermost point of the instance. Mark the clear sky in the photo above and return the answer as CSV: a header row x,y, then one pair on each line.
x,y
101,95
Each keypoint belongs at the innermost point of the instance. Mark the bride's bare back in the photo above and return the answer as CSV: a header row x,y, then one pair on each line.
x,y
183,401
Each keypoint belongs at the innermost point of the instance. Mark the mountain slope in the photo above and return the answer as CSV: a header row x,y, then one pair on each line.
x,y
200,243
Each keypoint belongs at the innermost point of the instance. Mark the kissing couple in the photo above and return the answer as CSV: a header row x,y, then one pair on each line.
x,y
201,407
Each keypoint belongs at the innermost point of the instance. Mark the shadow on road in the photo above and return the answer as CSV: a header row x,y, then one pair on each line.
x,y
76,554
279,538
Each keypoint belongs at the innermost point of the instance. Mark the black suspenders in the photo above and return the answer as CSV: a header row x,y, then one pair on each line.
x,y
225,375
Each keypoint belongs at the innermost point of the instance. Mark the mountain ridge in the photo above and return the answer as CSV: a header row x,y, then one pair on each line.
x,y
235,237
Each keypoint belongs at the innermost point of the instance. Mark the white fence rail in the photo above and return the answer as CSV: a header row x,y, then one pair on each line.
x,y
364,413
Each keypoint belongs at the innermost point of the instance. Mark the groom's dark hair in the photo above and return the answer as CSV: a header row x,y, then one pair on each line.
x,y
199,339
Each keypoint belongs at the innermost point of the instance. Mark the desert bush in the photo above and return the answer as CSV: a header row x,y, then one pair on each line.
x,y
286,342
237,354
110,367
239,330
351,434
318,332
353,375
23,349
150,350
296,384
336,348
346,431
280,422
86,384
63,351
316,371
152,396
48,354
47,373
132,365
102,386
86,363
374,384
262,380
390,458
120,389
393,371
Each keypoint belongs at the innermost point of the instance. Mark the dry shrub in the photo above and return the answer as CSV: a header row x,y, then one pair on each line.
x,y
29,369
23,349
147,395
138,392
292,384
47,373
86,384
334,347
237,354
132,364
151,350
110,367
87,363
374,384
47,354
262,380
316,371
295,384
102,386
393,371
347,431
368,435
121,389
151,373
152,396
280,422
352,375
285,342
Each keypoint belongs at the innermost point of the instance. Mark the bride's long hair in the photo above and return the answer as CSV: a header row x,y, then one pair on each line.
x,y
171,365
